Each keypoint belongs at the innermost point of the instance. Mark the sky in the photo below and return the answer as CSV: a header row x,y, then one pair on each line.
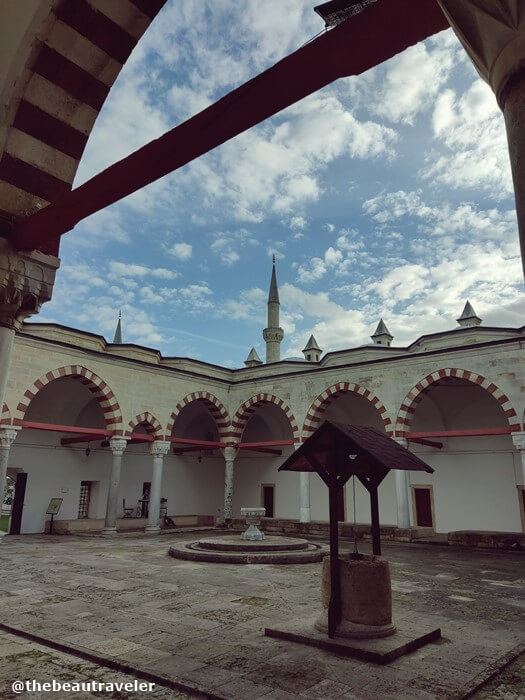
x,y
383,195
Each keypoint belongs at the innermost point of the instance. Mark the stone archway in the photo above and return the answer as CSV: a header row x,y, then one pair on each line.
x,y
5,418
212,404
55,88
315,413
416,394
98,387
150,424
249,407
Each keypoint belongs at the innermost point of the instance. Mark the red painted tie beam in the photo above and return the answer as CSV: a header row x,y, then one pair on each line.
x,y
363,41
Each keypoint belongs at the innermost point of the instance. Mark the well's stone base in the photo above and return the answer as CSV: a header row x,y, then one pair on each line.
x,y
408,637
354,630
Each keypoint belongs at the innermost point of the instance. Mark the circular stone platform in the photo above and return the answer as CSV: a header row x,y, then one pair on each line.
x,y
233,550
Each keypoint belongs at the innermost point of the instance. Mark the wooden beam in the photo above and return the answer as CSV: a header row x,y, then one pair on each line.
x,y
365,40
474,432
428,443
269,443
334,606
266,450
142,437
81,438
181,450
95,432
199,443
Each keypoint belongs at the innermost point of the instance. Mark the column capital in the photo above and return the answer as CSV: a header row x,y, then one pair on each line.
x,y
518,439
26,282
493,35
8,435
118,444
159,448
229,453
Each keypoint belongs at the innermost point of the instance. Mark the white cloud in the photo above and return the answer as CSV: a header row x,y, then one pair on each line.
x,y
119,269
472,130
182,251
405,91
226,245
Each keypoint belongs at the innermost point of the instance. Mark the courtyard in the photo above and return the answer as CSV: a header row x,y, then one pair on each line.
x,y
121,604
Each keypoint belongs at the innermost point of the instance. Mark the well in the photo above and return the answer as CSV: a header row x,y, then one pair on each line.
x,y
366,598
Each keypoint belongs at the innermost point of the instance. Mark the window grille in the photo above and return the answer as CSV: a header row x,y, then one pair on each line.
x,y
83,505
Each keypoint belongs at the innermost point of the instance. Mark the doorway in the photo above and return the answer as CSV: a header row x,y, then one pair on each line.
x,y
18,503
422,501
268,496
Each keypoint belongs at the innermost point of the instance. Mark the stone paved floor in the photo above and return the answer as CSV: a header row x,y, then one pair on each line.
x,y
201,624
27,661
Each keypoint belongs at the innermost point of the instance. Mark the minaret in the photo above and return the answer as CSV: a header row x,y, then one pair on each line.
x,y
118,330
273,334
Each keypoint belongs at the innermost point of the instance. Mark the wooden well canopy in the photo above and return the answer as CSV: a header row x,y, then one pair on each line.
x,y
336,452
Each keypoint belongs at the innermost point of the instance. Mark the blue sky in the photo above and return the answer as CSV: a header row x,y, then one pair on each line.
x,y
384,195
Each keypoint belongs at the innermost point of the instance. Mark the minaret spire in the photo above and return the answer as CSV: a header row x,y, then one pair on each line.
x,y
118,330
273,335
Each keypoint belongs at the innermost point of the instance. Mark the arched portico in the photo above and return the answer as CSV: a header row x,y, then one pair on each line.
x,y
266,431
97,386
55,88
353,404
417,393
318,410
207,402
67,415
250,407
461,424
195,477
148,423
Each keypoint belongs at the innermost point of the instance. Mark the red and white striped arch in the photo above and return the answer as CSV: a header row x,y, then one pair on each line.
x,y
248,408
315,413
213,405
416,394
80,50
150,424
97,386
5,418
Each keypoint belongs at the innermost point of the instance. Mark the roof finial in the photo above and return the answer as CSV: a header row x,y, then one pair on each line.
x,y
273,259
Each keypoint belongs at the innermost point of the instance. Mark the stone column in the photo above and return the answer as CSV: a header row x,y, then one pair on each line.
x,y
304,491
26,282
519,443
157,449
493,35
7,437
117,445
229,454
402,491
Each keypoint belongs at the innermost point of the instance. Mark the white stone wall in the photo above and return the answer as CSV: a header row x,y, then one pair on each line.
x,y
474,486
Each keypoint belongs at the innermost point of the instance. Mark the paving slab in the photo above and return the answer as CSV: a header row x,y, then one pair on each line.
x,y
126,602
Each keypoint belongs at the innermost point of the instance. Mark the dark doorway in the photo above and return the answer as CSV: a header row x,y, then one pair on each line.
x,y
268,499
18,503
423,501
144,502
341,504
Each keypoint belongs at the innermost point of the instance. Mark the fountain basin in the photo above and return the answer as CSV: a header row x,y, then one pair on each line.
x,y
233,550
